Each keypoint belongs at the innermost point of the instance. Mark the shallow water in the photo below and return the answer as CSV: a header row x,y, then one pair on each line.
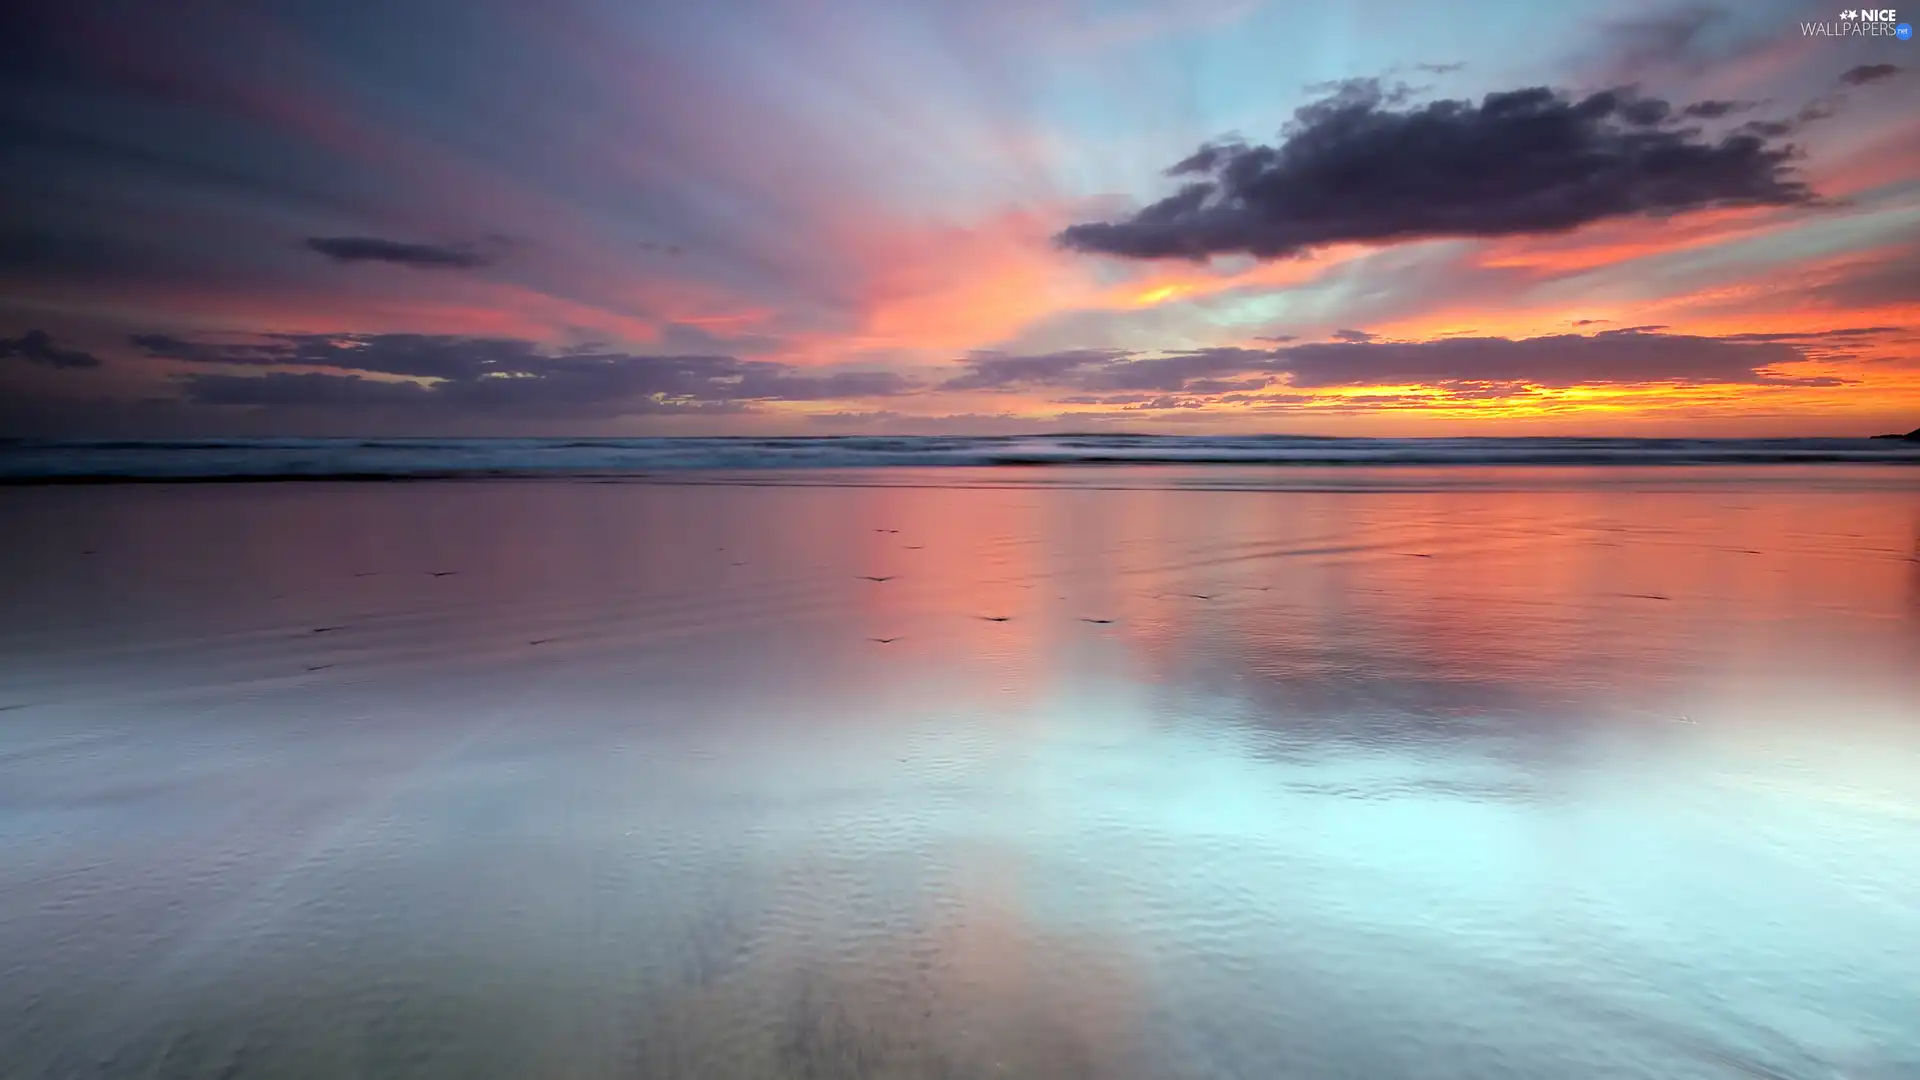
x,y
1563,774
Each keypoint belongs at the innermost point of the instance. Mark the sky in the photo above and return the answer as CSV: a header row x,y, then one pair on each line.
x,y
553,217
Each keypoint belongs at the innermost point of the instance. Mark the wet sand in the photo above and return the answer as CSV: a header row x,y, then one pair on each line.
x,y
1116,773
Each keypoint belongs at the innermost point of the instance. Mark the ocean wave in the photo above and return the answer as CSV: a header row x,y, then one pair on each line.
x,y
24,461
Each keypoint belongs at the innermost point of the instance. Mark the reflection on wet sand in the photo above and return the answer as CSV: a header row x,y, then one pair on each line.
x,y
1574,778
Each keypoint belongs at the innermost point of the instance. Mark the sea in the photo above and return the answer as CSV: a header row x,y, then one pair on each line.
x,y
1066,757
343,458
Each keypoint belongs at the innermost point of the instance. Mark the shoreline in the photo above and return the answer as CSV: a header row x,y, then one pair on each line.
x,y
796,475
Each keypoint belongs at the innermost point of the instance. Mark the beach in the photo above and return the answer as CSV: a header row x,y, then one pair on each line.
x,y
1143,770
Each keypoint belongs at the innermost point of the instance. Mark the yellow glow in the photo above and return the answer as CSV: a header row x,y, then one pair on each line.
x,y
1159,295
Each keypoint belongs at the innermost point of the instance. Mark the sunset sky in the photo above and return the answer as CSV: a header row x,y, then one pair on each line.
x,y
858,216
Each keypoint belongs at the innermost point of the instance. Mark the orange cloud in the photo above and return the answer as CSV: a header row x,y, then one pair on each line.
x,y
1891,157
952,287
1614,242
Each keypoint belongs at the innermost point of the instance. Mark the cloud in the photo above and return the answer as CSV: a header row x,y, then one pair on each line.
x,y
1353,335
496,375
1843,333
1228,386
1179,370
1356,167
375,249
432,356
1714,110
686,337
1465,366
37,347
1866,73
854,419
281,388
999,371
1773,129
1103,370
1888,278
1630,356
536,398
778,382
914,424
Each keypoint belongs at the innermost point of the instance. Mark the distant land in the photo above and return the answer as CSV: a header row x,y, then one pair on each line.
x,y
1911,436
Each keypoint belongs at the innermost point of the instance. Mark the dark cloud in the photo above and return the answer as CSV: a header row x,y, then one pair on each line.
x,y
1844,344
778,382
37,347
529,398
685,337
1773,129
42,254
1866,73
1353,335
496,375
1714,110
1466,366
281,388
1355,167
429,356
1846,332
1590,322
375,249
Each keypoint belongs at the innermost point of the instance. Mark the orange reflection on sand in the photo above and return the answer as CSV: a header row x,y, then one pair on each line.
x,y
964,577
1554,587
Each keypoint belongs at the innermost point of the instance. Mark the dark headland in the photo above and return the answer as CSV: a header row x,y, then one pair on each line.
x,y
1911,436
